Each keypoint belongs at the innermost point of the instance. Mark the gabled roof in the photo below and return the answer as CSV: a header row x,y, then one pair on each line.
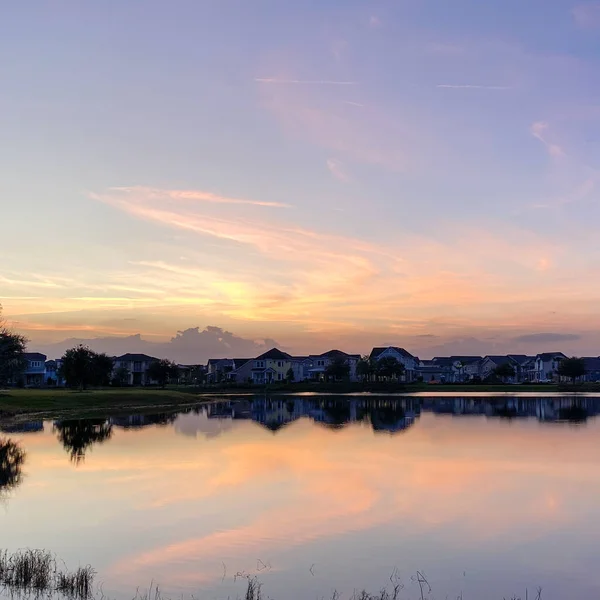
x,y
499,359
592,363
550,355
240,362
336,354
376,352
274,354
135,357
520,359
34,356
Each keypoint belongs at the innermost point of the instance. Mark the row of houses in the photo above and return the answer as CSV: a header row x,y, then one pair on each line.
x,y
40,371
276,365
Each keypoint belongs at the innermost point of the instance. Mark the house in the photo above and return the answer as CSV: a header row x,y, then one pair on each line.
x,y
217,369
522,365
241,371
592,369
404,357
464,368
491,362
53,376
319,363
433,371
272,366
546,365
35,369
137,366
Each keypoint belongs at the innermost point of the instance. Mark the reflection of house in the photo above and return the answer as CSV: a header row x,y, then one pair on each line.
x,y
271,366
35,369
404,357
26,427
53,373
137,366
319,363
546,365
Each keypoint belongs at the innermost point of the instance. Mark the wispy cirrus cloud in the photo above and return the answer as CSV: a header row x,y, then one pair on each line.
x,y
469,86
538,131
191,195
277,80
336,168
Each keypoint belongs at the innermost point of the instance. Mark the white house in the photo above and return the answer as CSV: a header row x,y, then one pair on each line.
x,y
404,357
546,365
320,362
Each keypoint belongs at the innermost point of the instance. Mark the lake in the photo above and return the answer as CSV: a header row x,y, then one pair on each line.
x,y
484,496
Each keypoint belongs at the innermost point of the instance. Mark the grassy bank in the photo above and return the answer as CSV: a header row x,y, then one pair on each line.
x,y
53,402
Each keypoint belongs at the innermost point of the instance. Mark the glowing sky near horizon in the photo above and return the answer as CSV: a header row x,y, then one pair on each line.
x,y
367,172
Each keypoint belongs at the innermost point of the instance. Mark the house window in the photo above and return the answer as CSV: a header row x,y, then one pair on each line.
x,y
279,376
280,363
320,363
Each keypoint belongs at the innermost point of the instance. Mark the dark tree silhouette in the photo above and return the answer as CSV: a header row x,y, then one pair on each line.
x,y
365,368
504,371
338,368
162,371
572,368
78,436
12,347
389,366
82,367
12,458
289,376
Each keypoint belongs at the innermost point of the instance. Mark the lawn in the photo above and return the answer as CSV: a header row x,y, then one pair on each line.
x,y
14,402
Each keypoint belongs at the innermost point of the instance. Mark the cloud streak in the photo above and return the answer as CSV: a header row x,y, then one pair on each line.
x,y
276,80
451,86
538,131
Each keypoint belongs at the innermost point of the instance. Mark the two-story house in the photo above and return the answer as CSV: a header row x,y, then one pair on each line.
x,y
404,357
218,369
271,366
241,371
491,362
464,368
546,365
53,376
317,370
34,374
137,366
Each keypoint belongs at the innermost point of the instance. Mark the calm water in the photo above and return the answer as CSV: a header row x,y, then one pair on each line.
x,y
487,496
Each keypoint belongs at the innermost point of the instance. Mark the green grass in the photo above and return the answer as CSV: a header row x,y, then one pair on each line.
x,y
15,402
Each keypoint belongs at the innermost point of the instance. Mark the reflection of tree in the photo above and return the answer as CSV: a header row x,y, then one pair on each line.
x,y
338,413
575,414
141,421
12,458
387,415
78,436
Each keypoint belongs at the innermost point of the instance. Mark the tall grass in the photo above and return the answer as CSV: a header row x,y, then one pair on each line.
x,y
36,571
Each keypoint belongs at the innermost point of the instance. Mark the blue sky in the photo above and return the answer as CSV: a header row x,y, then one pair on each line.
x,y
360,172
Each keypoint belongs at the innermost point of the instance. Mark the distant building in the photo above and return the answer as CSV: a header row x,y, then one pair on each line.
x,y
137,366
404,357
271,366
241,370
318,363
34,374
592,369
53,377
217,369
546,365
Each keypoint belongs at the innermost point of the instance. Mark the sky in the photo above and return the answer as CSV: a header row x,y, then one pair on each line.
x,y
320,174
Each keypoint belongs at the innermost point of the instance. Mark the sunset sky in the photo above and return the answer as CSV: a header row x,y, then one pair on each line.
x,y
320,173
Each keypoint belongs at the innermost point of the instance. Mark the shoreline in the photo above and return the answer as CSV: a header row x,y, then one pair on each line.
x,y
53,403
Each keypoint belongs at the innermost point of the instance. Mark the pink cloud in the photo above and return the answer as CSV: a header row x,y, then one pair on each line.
x,y
587,16
336,168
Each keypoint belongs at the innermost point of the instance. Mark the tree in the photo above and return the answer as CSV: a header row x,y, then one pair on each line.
x,y
504,371
571,367
121,377
12,348
338,368
389,367
12,458
162,371
364,368
289,376
82,367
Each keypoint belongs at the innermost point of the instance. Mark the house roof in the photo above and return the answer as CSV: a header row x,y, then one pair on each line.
x,y
135,357
274,354
498,359
336,354
592,363
34,356
520,359
376,352
550,355
240,362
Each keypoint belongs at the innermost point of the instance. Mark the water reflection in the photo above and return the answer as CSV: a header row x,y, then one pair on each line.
x,y
78,436
12,458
